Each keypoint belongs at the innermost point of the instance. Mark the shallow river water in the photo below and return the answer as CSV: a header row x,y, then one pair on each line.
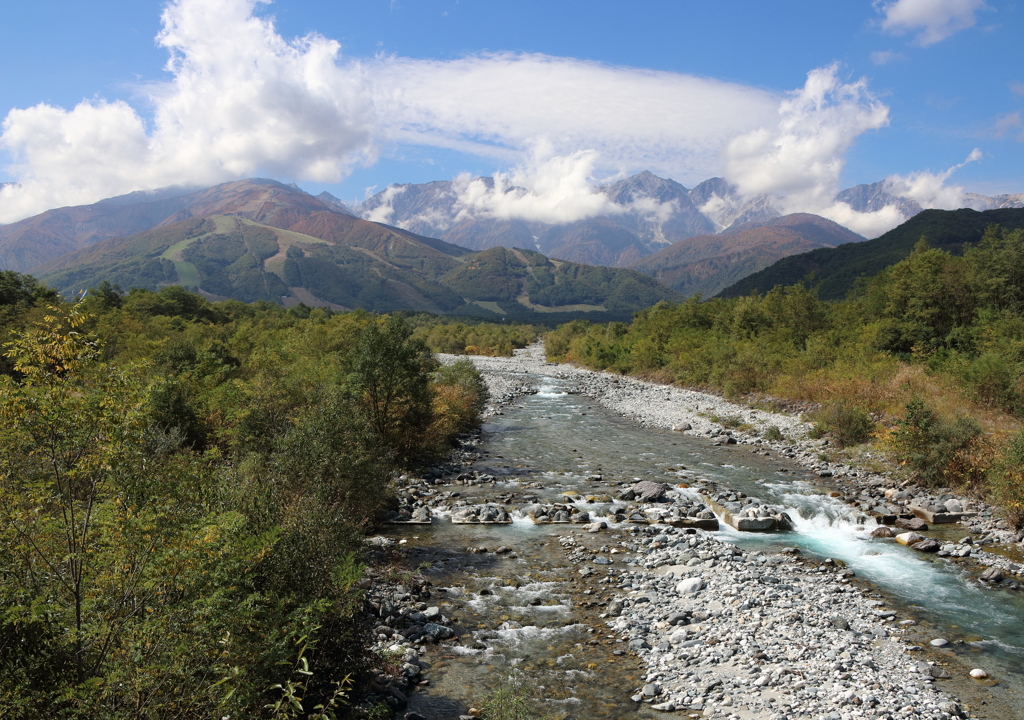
x,y
531,613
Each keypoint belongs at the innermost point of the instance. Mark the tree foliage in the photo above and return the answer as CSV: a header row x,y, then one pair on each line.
x,y
183,491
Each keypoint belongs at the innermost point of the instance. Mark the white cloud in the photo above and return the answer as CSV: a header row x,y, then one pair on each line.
x,y
801,155
242,101
502,105
547,188
929,189
933,20
1017,88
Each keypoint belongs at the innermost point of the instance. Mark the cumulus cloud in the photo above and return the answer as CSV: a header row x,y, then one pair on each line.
x,y
547,188
929,189
932,20
242,100
800,156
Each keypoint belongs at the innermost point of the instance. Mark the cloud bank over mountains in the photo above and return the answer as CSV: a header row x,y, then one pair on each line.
x,y
241,100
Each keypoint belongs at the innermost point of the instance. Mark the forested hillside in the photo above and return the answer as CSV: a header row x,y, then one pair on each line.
x,y
927,359
836,270
184,490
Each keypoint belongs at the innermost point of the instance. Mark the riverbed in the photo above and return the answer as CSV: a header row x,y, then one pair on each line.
x,y
566,612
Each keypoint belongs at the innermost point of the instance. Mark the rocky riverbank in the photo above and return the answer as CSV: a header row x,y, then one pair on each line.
x,y
702,414
747,635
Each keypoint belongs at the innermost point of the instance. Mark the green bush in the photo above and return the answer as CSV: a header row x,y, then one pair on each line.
x,y
848,424
774,434
1006,480
937,451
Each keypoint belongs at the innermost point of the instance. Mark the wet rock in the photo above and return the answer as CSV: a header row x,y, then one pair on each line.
x,y
909,538
438,632
993,575
882,532
939,642
649,492
915,524
927,545
978,674
651,690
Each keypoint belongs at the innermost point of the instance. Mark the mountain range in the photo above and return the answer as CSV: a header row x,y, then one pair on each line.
x,y
643,214
255,240
426,247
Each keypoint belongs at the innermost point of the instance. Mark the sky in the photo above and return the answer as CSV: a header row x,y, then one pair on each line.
x,y
795,99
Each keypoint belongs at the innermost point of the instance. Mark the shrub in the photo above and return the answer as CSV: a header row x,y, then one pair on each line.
x,y
1006,480
938,452
774,434
848,424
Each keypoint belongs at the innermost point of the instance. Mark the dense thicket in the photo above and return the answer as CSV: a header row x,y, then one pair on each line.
x,y
183,491
929,341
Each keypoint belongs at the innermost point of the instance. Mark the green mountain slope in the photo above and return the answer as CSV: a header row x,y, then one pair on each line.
x,y
355,264
837,269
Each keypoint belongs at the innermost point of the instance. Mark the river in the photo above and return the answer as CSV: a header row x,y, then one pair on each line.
x,y
534,619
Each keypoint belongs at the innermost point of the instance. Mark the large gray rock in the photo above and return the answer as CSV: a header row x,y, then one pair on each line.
x,y
690,586
648,491
438,632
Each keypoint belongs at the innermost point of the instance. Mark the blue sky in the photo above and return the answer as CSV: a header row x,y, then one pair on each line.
x,y
556,96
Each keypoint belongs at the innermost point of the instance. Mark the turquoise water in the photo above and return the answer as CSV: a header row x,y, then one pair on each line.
x,y
552,442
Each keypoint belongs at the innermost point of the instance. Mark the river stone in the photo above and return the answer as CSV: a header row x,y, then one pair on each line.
x,y
882,532
638,644
939,642
432,613
938,673
993,574
438,632
648,491
690,586
650,690
909,538
840,623
916,524
682,427
926,545
978,674
953,506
